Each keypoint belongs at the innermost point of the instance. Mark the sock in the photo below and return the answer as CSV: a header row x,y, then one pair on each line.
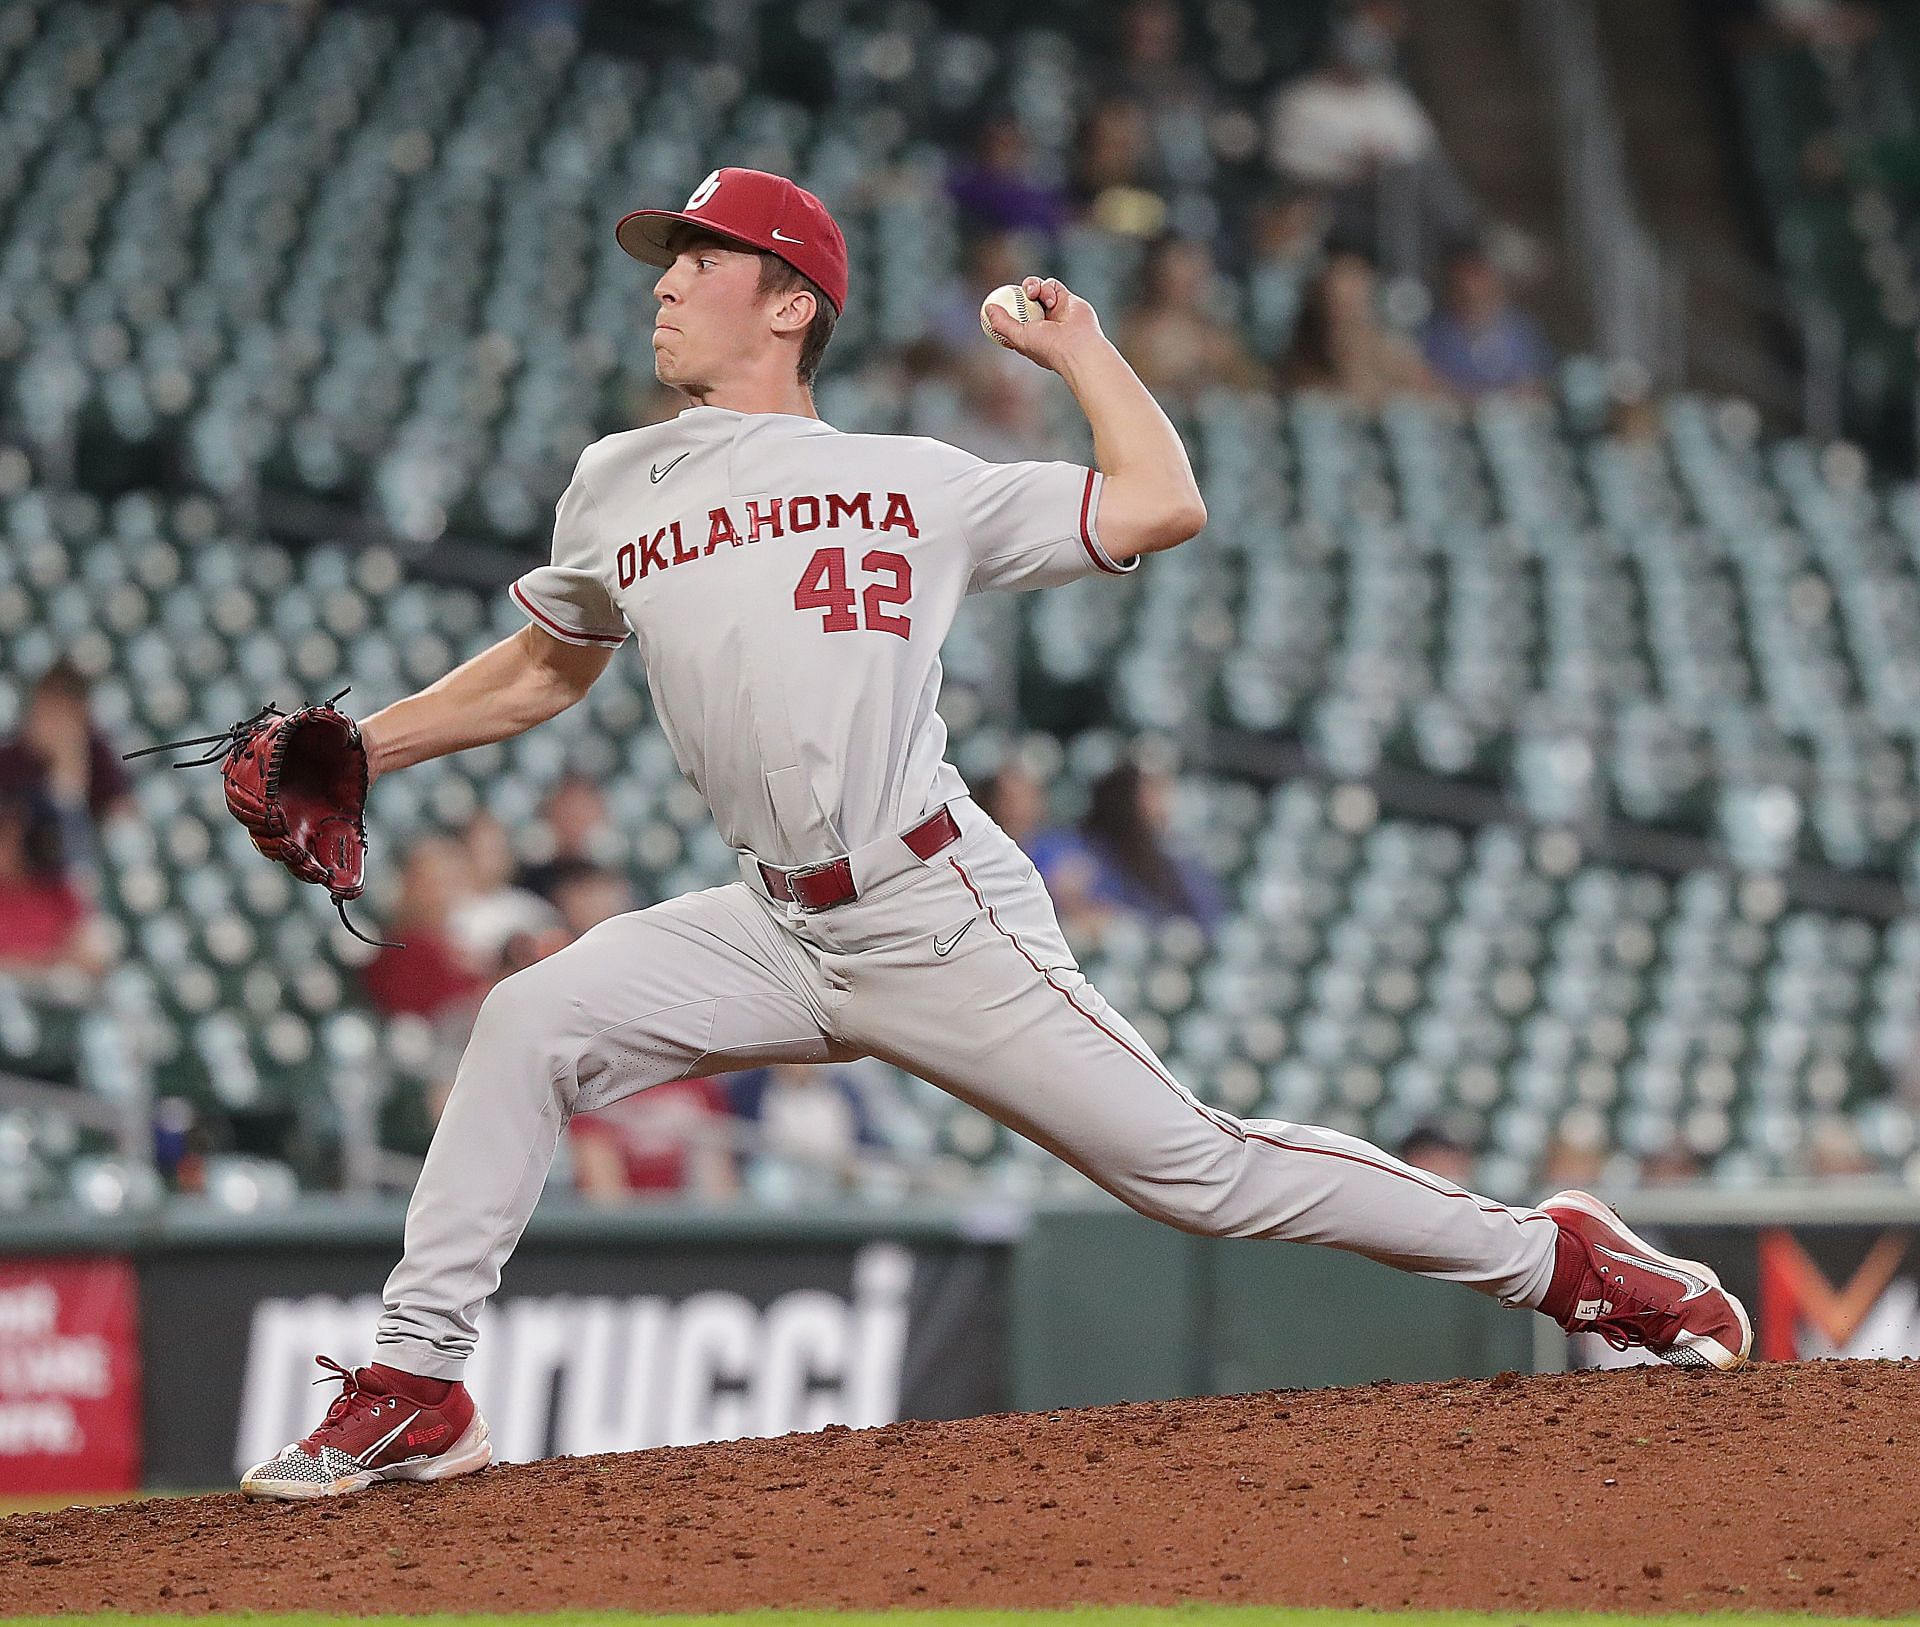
x,y
1569,1271
425,1392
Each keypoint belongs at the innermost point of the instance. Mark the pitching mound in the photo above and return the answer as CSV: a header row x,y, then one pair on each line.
x,y
1790,1487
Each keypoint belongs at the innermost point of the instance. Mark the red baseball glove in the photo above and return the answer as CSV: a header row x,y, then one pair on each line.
x,y
298,782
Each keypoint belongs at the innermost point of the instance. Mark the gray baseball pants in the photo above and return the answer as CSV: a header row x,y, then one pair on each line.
x,y
728,979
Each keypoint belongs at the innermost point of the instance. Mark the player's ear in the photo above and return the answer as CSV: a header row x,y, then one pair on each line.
x,y
795,312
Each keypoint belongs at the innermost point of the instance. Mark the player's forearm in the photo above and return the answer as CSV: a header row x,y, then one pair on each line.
x,y
501,692
1150,499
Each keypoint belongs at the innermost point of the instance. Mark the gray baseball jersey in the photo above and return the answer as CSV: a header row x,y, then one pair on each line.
x,y
790,587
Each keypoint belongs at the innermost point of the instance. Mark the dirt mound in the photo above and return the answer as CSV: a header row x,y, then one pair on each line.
x,y
1789,1487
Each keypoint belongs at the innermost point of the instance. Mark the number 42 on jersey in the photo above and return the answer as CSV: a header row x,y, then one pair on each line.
x,y
823,585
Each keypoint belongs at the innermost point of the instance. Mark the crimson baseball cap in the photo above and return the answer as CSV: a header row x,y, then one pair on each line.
x,y
763,211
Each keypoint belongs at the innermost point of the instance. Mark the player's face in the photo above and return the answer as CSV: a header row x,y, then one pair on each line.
x,y
711,322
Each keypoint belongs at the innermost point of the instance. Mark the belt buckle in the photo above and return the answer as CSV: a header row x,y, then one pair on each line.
x,y
804,871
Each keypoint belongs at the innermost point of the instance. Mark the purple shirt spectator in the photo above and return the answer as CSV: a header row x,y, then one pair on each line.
x,y
994,190
1511,353
1477,343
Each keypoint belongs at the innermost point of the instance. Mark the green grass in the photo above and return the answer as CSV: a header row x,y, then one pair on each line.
x,y
1190,1615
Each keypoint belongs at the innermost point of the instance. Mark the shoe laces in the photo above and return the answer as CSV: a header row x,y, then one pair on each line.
x,y
1632,1322
353,1399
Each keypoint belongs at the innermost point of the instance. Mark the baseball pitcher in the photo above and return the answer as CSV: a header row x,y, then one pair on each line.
x,y
788,588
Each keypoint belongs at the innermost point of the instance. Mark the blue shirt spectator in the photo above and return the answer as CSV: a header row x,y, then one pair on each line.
x,y
1117,861
1477,343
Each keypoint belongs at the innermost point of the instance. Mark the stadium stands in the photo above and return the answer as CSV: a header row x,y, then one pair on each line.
x,y
365,261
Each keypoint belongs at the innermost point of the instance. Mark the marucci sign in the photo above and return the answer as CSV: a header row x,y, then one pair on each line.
x,y
588,1348
578,1373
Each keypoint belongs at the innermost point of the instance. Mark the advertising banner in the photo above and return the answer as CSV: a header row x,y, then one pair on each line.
x,y
69,1377
586,1349
1836,1291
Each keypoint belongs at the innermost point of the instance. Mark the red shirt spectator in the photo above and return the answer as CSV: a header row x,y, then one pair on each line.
x,y
428,976
38,919
63,767
666,1139
46,923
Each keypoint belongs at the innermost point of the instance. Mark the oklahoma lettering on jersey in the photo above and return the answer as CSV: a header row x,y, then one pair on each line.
x,y
796,671
728,528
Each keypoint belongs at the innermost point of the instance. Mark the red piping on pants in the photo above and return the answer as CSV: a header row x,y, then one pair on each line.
x,y
1232,1127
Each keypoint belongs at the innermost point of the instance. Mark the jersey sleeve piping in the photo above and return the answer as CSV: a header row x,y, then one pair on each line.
x,y
1089,536
1090,539
566,635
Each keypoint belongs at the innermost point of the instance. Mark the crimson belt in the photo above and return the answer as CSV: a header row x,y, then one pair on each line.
x,y
824,886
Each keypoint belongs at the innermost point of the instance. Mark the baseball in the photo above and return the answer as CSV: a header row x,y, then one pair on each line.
x,y
1012,299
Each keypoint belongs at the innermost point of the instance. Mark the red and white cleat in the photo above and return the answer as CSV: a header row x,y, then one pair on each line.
x,y
1610,1282
378,1428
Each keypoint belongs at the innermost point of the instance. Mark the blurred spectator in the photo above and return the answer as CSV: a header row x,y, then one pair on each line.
x,y
47,924
498,926
576,827
1172,336
1835,27
1436,1152
1016,800
1113,181
1118,863
1152,72
1286,243
587,894
1477,343
1633,412
1151,68
427,975
537,16
1339,123
996,188
1340,345
1001,414
1351,125
181,1144
988,261
671,1138
61,763
1575,1162
1673,1165
811,1116
1833,1152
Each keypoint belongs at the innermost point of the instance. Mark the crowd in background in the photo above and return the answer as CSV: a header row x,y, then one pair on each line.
x,y
1361,266
1348,148
1352,158
476,904
1348,151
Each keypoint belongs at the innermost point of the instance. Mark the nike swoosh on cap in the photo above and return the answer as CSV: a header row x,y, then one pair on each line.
x,y
781,237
